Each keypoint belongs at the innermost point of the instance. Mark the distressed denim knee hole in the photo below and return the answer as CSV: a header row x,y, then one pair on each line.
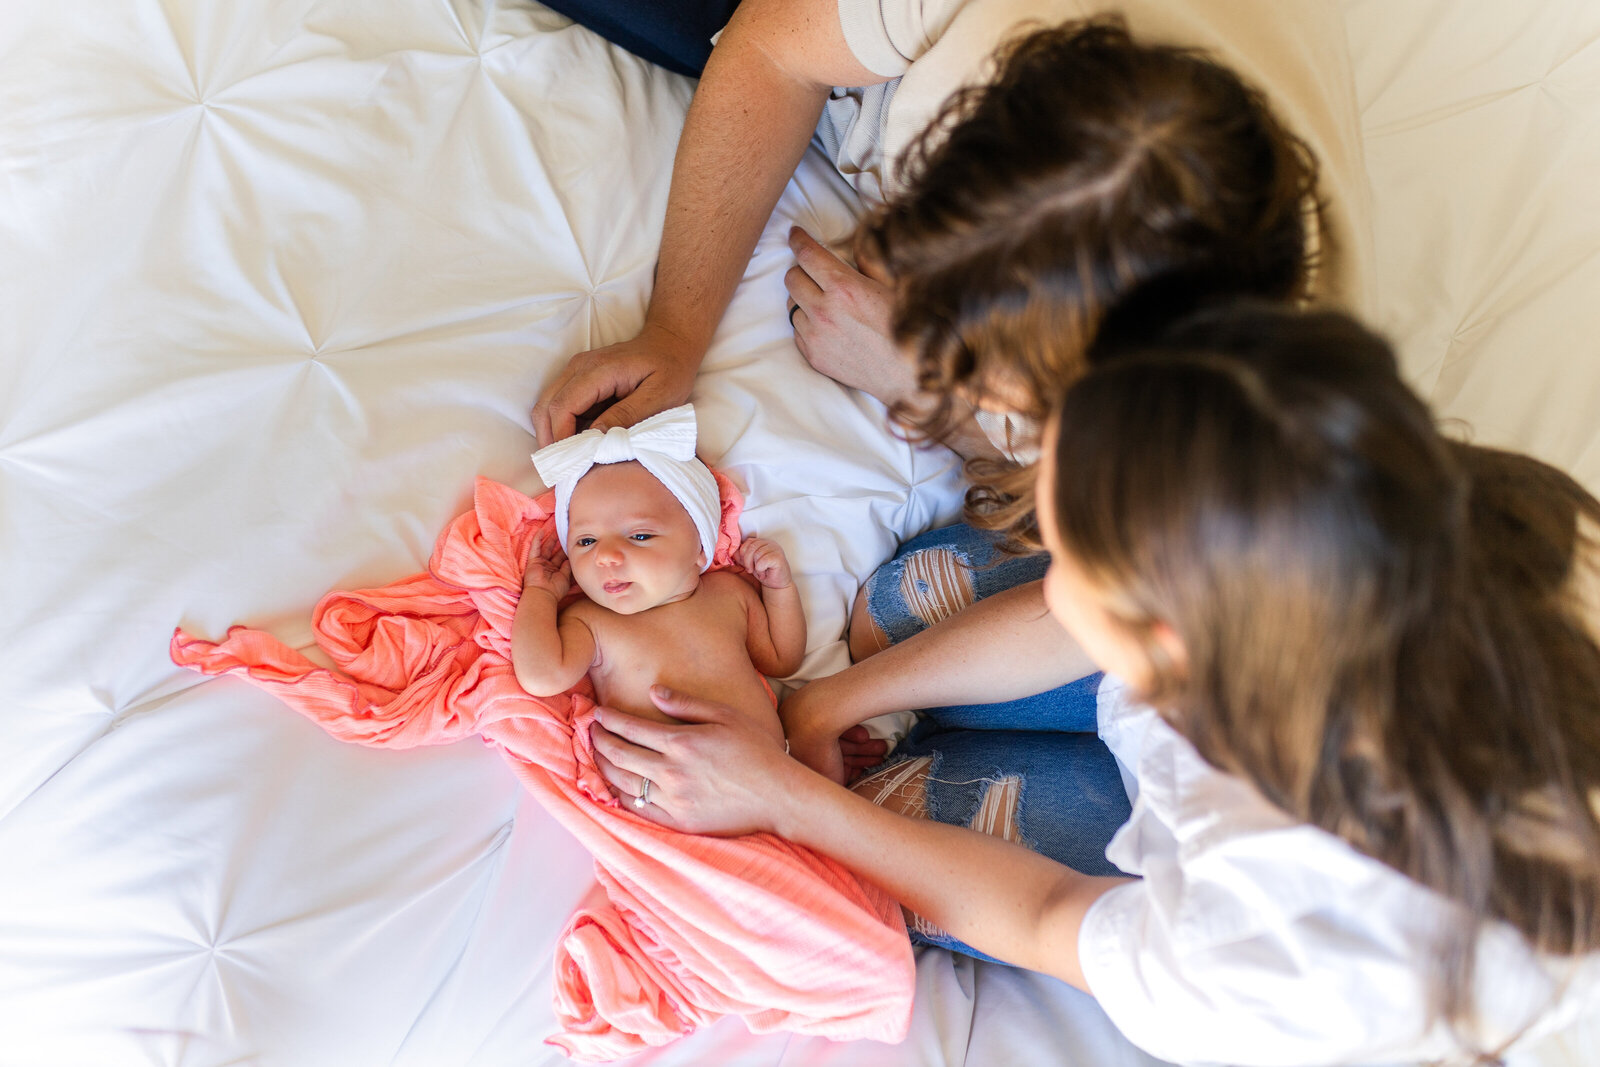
x,y
997,811
936,583
996,816
899,787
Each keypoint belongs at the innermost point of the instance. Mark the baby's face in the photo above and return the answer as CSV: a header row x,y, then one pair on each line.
x,y
631,543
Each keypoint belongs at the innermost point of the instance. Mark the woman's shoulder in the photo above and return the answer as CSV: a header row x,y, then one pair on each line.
x,y
1241,905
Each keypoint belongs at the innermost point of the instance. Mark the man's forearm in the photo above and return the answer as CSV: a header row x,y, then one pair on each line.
x,y
967,440
746,130
964,436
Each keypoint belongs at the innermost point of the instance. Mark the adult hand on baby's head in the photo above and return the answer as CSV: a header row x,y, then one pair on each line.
x,y
842,321
713,773
765,561
649,374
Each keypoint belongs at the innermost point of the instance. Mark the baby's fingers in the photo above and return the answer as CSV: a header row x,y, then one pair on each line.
x,y
747,552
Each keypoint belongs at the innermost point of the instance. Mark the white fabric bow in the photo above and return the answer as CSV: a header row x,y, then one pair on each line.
x,y
663,444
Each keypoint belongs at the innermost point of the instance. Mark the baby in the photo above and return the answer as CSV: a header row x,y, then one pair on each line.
x,y
638,516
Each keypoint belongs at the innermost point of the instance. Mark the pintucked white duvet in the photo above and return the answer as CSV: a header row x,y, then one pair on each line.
x,y
277,280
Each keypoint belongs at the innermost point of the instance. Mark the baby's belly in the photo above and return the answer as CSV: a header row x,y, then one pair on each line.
x,y
743,690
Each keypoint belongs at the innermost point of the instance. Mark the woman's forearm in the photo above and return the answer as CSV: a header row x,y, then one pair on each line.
x,y
997,897
1004,647
716,771
749,123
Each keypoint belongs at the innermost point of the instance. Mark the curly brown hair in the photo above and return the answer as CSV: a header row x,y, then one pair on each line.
x,y
1087,165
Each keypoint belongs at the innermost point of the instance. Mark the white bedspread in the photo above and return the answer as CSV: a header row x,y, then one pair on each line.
x,y
277,280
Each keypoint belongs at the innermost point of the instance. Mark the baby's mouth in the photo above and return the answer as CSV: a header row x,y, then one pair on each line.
x,y
612,588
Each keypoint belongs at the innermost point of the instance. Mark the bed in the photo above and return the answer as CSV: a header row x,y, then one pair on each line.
x,y
277,281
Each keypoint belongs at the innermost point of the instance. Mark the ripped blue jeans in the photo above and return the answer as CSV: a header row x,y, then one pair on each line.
x,y
1032,770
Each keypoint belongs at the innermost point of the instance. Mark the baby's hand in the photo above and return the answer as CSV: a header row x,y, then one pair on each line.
x,y
543,574
766,561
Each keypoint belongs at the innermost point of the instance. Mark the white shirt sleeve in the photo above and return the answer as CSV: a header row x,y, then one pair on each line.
x,y
1015,437
1254,939
887,36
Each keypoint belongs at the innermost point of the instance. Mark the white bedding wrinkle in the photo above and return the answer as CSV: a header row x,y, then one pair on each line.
x,y
278,280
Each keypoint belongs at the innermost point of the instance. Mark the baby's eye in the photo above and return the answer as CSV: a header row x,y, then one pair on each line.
x,y
584,542
642,536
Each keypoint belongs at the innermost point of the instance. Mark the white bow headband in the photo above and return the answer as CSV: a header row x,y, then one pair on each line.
x,y
663,445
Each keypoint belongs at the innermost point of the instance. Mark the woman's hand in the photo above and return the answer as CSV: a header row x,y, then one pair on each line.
x,y
649,374
714,773
842,321
819,744
718,773
822,753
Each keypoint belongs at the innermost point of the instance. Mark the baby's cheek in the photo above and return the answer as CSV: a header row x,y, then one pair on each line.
x,y
584,581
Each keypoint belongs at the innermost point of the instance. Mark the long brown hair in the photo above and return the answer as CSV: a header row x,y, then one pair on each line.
x,y
1087,165
1385,630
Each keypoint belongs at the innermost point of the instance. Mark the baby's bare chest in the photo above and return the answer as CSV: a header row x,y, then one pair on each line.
x,y
694,648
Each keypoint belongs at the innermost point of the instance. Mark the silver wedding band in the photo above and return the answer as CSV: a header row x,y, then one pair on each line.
x,y
644,794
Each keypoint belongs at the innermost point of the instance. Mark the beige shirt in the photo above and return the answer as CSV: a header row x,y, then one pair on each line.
x,y
1293,51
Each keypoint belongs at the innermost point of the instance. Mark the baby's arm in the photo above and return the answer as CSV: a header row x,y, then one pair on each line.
x,y
777,632
549,654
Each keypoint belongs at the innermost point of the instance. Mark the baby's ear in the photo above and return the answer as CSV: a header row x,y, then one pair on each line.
x,y
700,559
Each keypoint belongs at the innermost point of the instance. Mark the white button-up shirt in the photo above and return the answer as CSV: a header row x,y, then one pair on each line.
x,y
1255,939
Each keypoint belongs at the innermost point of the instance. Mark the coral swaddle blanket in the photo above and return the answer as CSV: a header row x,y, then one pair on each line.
x,y
682,929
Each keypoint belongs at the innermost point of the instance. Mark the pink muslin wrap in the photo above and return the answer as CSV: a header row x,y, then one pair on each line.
x,y
681,929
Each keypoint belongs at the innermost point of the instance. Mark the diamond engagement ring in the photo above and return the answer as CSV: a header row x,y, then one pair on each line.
x,y
644,795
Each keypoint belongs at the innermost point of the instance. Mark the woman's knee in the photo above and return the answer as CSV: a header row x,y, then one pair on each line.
x,y
935,583
899,787
903,788
865,637
917,590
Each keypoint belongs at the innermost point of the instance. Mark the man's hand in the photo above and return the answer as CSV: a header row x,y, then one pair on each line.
x,y
649,374
842,321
